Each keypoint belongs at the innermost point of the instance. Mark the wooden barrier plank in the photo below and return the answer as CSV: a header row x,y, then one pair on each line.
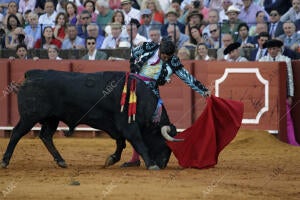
x,y
295,112
243,82
177,98
5,90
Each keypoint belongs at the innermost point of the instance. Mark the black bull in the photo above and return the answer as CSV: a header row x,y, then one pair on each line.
x,y
48,97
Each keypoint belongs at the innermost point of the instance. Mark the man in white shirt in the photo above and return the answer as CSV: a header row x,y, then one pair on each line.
x,y
48,19
112,41
132,31
129,11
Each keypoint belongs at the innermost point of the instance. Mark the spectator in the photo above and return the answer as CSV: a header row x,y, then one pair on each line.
x,y
115,4
154,35
244,39
12,9
47,39
73,41
61,5
201,52
22,53
172,18
33,29
194,18
132,31
274,54
89,5
248,12
129,11
71,11
60,26
233,22
195,36
148,22
177,37
290,38
84,20
117,17
53,53
105,13
213,18
92,53
154,6
226,40
214,41
215,5
175,4
184,53
199,5
25,5
260,18
275,26
260,51
19,37
282,6
12,23
48,19
93,31
112,41
222,13
234,53
293,13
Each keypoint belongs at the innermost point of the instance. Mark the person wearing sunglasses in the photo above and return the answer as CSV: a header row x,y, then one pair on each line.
x,y
93,53
275,26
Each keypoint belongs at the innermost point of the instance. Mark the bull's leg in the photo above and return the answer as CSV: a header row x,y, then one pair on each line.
x,y
18,132
46,135
112,159
133,135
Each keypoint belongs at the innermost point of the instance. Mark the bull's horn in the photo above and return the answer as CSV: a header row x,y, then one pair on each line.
x,y
165,133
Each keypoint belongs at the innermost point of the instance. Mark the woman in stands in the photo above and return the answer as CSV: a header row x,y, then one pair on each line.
x,y
59,31
47,39
117,17
71,11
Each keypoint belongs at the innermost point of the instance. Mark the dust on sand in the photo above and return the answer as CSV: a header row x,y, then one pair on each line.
x,y
255,165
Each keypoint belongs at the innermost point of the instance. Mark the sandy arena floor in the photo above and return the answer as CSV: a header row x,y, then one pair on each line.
x,y
254,166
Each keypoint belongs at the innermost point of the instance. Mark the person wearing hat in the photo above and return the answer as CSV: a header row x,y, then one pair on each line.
x,y
155,64
274,48
194,18
231,26
148,23
172,18
233,53
129,11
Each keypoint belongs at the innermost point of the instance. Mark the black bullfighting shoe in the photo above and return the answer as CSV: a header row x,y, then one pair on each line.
x,y
132,164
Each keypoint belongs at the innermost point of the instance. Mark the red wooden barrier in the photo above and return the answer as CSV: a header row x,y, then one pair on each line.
x,y
256,84
240,81
295,112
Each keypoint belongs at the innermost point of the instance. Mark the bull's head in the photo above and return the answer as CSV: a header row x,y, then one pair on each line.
x,y
156,142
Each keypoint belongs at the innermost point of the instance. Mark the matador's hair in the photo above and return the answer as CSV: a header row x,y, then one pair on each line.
x,y
167,46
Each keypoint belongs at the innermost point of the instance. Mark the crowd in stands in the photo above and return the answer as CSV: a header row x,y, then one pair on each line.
x,y
194,25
